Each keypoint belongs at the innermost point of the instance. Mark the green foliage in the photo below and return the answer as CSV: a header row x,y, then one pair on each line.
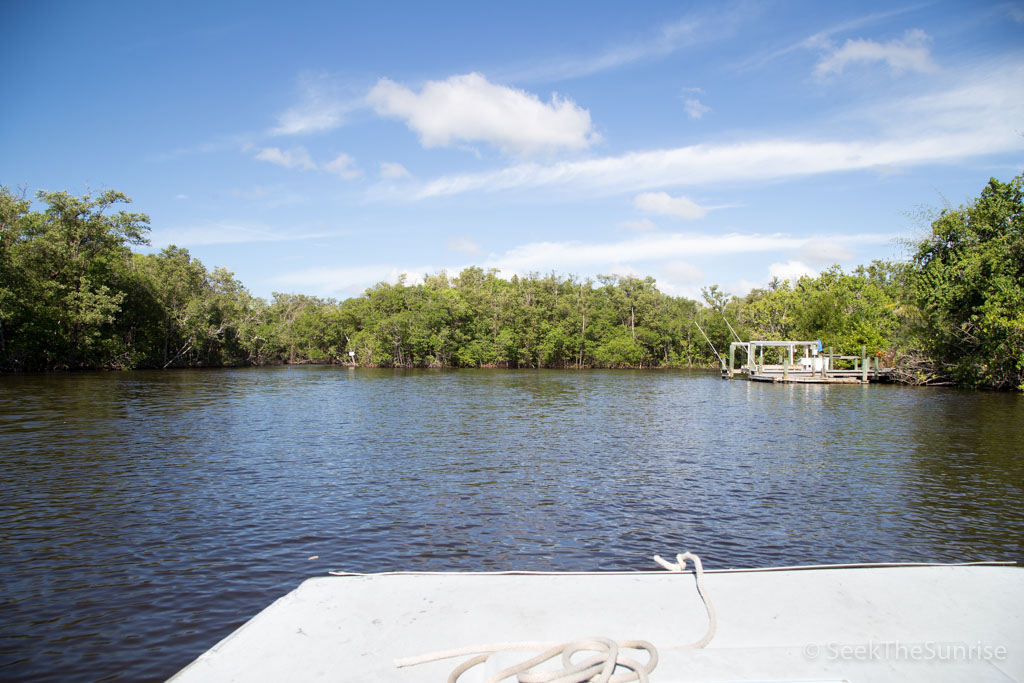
x,y
771,313
189,316
73,295
66,274
968,284
846,311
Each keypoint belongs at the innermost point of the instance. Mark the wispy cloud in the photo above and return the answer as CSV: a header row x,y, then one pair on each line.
x,y
825,252
979,114
667,205
694,108
910,53
791,270
465,245
1015,12
221,143
269,196
657,247
469,108
348,281
986,104
669,255
642,225
681,272
205,234
666,40
390,170
321,107
344,167
704,164
295,157
823,38
694,29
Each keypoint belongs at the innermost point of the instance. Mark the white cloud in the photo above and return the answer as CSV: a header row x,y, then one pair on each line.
x,y
622,270
681,272
468,108
741,287
707,163
791,270
695,108
464,245
667,39
295,157
181,196
679,278
269,196
321,108
663,203
988,104
825,252
222,233
910,53
344,167
220,143
666,253
640,170
393,171
642,225
685,32
351,281
822,39
653,248
978,114
308,118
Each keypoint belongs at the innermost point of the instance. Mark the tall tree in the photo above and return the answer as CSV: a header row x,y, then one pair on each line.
x,y
176,284
14,210
74,262
969,286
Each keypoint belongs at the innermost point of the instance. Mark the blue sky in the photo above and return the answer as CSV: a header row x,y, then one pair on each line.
x,y
319,148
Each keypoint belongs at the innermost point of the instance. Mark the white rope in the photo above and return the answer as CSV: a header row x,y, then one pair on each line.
x,y
679,566
605,656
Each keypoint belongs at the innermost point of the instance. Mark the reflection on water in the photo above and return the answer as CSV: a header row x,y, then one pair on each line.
x,y
146,515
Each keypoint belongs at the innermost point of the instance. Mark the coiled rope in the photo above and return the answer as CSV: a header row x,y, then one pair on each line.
x,y
604,663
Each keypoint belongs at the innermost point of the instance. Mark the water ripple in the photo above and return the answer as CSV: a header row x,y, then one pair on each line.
x,y
146,515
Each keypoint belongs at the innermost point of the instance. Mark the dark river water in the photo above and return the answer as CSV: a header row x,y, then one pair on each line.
x,y
144,516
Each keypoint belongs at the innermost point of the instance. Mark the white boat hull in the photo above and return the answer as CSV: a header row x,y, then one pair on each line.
x,y
929,623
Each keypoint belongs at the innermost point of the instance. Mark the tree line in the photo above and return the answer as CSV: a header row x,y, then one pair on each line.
x,y
73,294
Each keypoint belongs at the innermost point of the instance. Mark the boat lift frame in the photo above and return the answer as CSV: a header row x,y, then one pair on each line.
x,y
820,369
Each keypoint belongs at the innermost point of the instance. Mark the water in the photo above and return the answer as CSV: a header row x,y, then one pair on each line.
x,y
147,515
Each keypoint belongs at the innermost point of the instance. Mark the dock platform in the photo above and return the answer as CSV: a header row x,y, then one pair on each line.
x,y
814,367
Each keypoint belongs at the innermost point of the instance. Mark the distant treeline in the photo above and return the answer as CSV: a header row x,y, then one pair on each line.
x,y
74,295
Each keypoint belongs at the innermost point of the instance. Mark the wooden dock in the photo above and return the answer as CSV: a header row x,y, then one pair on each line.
x,y
812,367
